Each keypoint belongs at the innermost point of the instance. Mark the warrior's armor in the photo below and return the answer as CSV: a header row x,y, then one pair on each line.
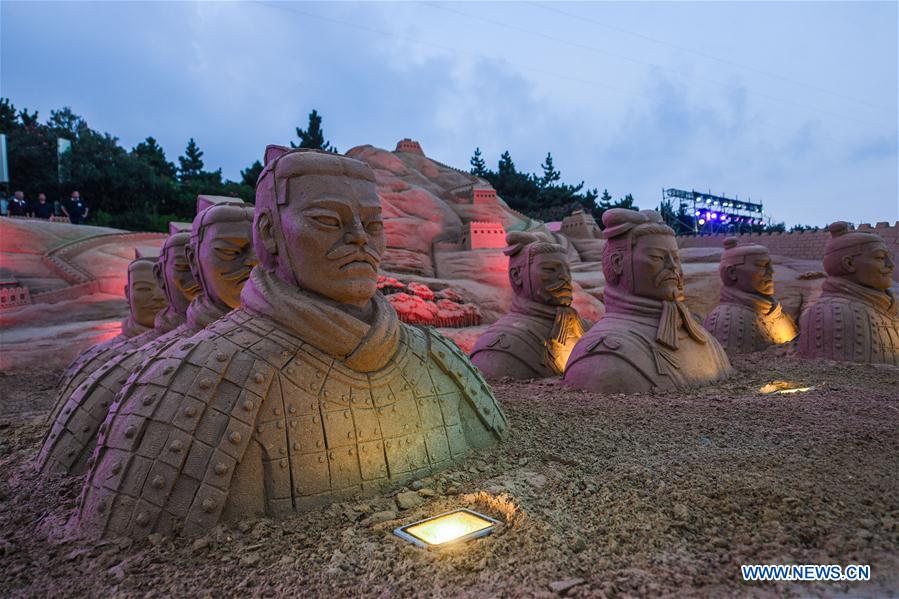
x,y
536,342
133,334
648,344
851,322
747,322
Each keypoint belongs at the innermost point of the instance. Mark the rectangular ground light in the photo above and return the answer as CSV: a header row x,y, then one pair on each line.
x,y
452,527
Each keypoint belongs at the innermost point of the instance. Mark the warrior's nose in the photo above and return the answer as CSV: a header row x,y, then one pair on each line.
x,y
355,235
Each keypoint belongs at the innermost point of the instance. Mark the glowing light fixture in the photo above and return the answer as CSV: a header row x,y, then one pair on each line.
x,y
701,221
452,527
783,388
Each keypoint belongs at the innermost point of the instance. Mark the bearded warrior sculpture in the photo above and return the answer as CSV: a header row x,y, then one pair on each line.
x,y
647,339
748,317
856,318
145,300
219,251
311,391
535,339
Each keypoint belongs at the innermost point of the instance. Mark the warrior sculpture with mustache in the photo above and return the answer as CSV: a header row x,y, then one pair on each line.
x,y
647,338
75,424
535,339
748,318
311,392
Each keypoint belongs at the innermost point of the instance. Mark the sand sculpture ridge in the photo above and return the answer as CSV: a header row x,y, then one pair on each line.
x,y
535,339
856,318
748,317
647,339
311,391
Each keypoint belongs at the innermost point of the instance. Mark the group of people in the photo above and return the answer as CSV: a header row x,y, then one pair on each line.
x,y
261,372
73,208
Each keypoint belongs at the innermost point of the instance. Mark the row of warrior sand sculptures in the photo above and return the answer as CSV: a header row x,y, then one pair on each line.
x,y
260,371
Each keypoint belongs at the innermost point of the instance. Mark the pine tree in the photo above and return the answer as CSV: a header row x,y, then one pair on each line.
x,y
8,118
505,168
150,152
478,166
249,175
192,161
550,174
605,200
313,136
626,202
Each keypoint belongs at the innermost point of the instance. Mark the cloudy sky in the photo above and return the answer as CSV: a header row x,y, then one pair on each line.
x,y
793,104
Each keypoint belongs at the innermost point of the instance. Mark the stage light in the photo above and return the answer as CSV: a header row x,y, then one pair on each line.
x,y
698,212
456,526
701,221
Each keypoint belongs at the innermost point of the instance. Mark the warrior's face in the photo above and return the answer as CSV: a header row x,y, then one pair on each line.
x,y
334,236
873,267
551,279
174,269
145,297
224,258
755,275
656,268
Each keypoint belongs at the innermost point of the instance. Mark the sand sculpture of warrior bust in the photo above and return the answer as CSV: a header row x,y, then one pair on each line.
x,y
218,252
145,301
311,391
535,339
748,317
647,338
856,318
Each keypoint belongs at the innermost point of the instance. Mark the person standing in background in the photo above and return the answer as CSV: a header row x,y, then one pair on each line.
x,y
18,206
42,208
76,209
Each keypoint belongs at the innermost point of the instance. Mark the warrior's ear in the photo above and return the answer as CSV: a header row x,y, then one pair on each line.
x,y
616,259
190,252
158,274
515,276
847,262
731,272
265,232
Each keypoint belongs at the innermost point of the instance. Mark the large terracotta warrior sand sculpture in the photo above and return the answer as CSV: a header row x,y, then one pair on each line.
x,y
535,339
221,256
145,300
748,317
856,317
647,338
311,391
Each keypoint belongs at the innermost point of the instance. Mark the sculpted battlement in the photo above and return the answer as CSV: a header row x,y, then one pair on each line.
x,y
478,235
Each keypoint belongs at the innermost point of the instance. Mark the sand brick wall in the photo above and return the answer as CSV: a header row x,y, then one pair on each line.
x,y
804,245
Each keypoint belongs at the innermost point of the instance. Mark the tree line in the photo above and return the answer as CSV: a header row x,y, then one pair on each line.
x,y
544,196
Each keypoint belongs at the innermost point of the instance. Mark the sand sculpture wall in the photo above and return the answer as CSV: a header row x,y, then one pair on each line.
x,y
804,245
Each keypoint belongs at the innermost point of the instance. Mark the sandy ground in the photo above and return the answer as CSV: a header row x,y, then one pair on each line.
x,y
601,496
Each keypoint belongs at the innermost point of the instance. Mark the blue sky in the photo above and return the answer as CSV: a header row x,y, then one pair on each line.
x,y
793,104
